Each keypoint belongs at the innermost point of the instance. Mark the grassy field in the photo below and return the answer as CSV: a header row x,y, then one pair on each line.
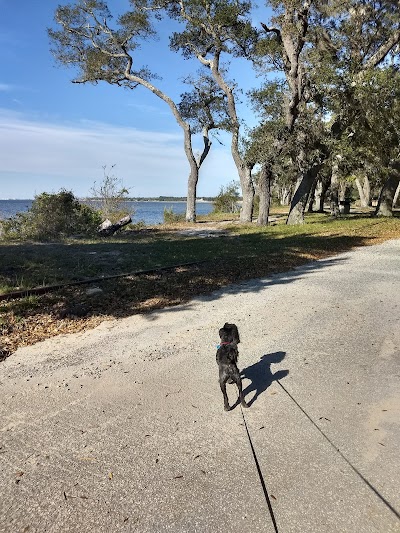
x,y
233,253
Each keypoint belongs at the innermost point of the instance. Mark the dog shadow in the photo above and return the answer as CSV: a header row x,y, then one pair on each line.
x,y
260,375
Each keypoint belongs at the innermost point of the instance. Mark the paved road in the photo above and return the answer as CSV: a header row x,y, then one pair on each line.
x,y
123,429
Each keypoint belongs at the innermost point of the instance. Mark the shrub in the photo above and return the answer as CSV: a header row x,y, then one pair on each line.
x,y
226,201
52,216
110,197
170,217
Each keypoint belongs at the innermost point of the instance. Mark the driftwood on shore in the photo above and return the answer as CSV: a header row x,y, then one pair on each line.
x,y
108,228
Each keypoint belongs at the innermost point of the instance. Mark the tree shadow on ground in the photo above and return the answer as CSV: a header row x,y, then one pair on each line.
x,y
261,376
233,264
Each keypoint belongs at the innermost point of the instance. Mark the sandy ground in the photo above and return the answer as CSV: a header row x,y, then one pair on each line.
x,y
123,429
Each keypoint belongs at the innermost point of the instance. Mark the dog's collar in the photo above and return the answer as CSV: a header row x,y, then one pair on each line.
x,y
223,344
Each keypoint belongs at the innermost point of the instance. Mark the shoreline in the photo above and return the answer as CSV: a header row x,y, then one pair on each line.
x,y
147,211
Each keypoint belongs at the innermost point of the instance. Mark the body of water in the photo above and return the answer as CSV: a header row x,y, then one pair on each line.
x,y
149,212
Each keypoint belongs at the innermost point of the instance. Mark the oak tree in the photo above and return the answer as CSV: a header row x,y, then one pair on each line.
x,y
102,49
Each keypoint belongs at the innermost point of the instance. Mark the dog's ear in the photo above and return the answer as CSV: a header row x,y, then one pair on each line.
x,y
235,332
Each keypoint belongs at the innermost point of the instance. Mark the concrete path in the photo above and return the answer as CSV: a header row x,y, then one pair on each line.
x,y
122,428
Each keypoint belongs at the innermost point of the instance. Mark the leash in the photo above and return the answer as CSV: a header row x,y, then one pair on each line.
x,y
369,485
266,495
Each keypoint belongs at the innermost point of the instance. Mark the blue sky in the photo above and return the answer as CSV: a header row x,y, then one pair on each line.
x,y
55,134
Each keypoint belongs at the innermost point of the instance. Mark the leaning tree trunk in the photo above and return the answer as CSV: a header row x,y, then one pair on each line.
x,y
301,195
305,181
396,196
107,228
386,196
264,191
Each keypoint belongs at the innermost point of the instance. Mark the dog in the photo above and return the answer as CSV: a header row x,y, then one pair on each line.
x,y
227,357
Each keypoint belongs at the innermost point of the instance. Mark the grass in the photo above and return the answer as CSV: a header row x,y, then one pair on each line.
x,y
242,252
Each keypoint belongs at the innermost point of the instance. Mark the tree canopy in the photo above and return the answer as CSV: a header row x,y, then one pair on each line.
x,y
328,101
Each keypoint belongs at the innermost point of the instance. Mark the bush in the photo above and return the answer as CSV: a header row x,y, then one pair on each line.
x,y
170,217
52,216
110,197
226,201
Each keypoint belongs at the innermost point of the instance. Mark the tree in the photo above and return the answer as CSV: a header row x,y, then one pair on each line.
x,y
364,190
204,108
388,191
371,149
379,95
110,196
213,29
287,155
226,201
261,143
322,49
281,50
352,43
100,52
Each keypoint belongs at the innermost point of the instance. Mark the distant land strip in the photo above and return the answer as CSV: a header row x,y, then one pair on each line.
x,y
158,199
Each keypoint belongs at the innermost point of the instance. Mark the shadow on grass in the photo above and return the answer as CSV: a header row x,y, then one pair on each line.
x,y
229,260
260,259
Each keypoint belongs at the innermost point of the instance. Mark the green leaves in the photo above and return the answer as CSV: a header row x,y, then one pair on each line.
x,y
98,50
212,27
205,105
53,216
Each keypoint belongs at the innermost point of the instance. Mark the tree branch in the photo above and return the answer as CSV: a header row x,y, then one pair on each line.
x,y
382,52
277,31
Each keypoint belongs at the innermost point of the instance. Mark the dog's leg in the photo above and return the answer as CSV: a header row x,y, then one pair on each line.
x,y
222,384
241,397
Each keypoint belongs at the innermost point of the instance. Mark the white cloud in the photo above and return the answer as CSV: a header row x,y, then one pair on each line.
x,y
43,156
146,108
5,87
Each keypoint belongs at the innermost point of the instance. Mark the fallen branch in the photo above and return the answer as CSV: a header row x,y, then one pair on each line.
x,y
108,228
